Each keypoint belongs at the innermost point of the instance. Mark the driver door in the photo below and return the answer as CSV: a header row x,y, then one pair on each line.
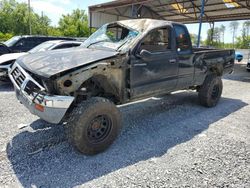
x,y
154,68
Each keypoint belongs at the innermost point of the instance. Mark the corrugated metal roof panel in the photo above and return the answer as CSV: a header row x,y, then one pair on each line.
x,y
186,11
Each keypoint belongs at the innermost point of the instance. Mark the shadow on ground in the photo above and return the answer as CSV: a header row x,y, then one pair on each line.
x,y
41,156
6,86
240,74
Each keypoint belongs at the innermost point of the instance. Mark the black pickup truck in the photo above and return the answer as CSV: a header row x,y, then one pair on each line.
x,y
121,62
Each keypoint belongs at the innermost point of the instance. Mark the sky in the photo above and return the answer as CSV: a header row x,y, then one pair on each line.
x,y
55,8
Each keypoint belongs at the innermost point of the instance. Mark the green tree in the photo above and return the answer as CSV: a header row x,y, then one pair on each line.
x,y
213,37
4,37
234,27
222,31
74,24
194,38
243,41
246,25
14,18
54,31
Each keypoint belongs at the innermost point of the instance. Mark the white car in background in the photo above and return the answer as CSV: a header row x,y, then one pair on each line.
x,y
7,59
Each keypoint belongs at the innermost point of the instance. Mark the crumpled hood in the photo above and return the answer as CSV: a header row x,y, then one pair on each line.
x,y
49,63
9,57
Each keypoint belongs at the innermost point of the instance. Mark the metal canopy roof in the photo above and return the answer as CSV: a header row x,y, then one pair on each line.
x,y
185,11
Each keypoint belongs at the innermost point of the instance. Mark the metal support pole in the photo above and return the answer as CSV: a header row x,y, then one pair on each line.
x,y
200,26
90,22
133,11
29,18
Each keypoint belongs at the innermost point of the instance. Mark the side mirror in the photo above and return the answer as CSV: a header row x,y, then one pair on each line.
x,y
145,54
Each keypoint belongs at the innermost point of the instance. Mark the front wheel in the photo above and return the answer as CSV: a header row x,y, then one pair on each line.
x,y
94,125
211,90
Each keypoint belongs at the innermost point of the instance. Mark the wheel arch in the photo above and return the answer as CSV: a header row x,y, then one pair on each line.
x,y
218,70
102,86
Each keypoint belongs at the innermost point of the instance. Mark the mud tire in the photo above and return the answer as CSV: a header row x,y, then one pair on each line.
x,y
211,90
92,113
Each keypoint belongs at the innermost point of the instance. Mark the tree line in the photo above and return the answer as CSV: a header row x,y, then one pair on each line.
x,y
15,17
14,20
216,37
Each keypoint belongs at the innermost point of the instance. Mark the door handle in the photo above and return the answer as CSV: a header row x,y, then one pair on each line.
x,y
172,61
140,64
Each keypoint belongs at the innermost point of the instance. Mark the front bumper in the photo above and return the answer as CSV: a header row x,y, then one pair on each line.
x,y
52,108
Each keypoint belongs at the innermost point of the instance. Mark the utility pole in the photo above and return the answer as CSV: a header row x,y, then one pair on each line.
x,y
29,18
42,25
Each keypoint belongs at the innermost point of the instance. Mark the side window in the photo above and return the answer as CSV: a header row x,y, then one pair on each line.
x,y
75,44
182,39
62,46
35,41
20,43
27,43
44,39
158,40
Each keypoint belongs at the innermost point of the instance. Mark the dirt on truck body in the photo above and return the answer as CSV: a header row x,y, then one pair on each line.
x,y
121,62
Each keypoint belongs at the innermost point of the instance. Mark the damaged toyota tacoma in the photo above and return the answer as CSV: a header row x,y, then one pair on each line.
x,y
121,62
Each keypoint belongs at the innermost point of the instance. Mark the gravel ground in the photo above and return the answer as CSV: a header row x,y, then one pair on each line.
x,y
166,142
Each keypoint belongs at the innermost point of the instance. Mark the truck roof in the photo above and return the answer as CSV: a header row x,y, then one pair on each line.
x,y
143,25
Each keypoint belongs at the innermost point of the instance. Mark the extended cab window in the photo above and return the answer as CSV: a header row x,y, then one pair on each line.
x,y
182,39
157,40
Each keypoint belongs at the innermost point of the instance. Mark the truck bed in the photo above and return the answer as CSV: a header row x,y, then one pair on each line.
x,y
224,59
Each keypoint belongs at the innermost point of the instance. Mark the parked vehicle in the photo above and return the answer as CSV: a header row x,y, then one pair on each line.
x,y
25,43
121,62
248,62
248,66
7,60
238,56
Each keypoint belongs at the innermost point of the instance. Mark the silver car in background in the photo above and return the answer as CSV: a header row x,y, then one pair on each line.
x,y
8,59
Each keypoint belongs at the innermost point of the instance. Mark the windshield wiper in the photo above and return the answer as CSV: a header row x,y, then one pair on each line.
x,y
96,43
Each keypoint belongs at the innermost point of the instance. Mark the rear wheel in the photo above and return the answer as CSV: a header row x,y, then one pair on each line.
x,y
94,125
211,90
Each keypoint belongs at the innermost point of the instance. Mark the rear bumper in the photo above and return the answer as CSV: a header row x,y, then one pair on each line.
x,y
51,108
